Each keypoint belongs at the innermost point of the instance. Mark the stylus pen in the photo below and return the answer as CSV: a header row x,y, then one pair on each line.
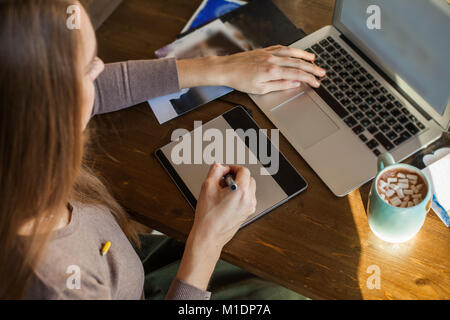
x,y
230,182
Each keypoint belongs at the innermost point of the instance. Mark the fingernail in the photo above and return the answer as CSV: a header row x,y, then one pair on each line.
x,y
296,83
317,83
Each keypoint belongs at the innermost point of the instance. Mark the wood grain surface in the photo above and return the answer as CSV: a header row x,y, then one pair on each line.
x,y
316,244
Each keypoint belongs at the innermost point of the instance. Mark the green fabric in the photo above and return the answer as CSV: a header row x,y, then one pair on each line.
x,y
161,257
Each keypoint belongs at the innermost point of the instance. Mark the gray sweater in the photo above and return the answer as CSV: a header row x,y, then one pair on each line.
x,y
73,267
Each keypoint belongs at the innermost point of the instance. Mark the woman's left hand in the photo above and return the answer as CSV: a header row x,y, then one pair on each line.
x,y
258,72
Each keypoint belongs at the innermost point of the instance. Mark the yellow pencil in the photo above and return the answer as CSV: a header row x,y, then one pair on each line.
x,y
106,248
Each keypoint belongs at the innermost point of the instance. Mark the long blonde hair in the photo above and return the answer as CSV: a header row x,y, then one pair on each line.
x,y
41,137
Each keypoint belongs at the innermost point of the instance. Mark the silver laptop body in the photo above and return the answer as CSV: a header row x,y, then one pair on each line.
x,y
326,132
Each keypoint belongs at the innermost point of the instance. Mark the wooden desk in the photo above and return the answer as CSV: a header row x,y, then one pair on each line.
x,y
316,244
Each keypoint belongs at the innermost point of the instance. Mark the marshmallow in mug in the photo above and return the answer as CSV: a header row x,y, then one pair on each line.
x,y
401,191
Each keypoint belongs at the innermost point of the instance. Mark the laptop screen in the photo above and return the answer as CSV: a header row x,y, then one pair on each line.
x,y
413,41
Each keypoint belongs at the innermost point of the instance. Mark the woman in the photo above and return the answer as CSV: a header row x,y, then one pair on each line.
x,y
55,215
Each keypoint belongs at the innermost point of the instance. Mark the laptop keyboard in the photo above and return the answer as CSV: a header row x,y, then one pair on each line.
x,y
365,105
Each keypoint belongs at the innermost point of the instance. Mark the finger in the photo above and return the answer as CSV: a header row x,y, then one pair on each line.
x,y
284,51
293,74
278,85
299,64
242,176
217,172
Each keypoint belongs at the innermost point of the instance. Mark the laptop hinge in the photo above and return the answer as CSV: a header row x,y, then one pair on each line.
x,y
385,77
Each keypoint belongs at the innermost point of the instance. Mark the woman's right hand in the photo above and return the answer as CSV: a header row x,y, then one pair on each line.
x,y
220,211
219,214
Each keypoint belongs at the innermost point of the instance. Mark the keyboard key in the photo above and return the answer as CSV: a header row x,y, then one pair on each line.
x,y
342,51
402,119
348,67
363,70
356,64
325,56
343,61
336,55
372,144
326,82
317,49
330,48
398,104
330,39
328,98
396,112
338,95
368,85
363,94
344,74
352,108
411,128
332,89
355,73
356,87
357,100
405,111
398,128
376,83
358,115
343,87
376,152
385,128
350,93
363,138
350,81
391,97
412,118
337,81
381,99
384,141
331,62
369,76
392,135
350,121
403,137
391,121
420,125
324,43
337,45
349,57
370,114
377,107
337,68
388,105
384,114
370,100
372,129
361,78
377,121
375,92
363,107
365,122
383,89
345,102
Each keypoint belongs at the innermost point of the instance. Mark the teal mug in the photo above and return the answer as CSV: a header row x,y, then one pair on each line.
x,y
390,223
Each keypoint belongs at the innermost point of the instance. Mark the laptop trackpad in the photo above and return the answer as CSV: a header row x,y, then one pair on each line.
x,y
303,120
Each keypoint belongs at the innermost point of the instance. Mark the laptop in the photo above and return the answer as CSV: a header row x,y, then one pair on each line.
x,y
386,90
